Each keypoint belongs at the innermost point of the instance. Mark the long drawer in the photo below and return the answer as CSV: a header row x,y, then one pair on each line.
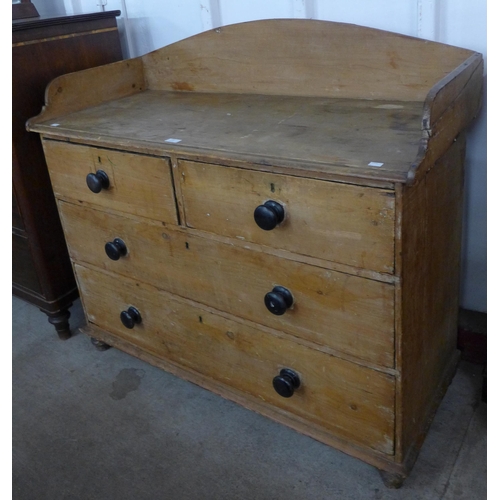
x,y
337,222
138,184
350,314
352,401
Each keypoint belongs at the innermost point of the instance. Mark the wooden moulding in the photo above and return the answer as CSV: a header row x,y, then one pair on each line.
x,y
292,57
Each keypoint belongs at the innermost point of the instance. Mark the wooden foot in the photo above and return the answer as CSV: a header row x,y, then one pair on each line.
x,y
60,320
391,479
99,344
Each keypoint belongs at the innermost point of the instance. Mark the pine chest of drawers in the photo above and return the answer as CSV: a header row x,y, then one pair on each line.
x,y
272,210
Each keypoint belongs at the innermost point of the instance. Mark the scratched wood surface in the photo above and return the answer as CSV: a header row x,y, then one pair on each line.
x,y
348,224
347,399
347,313
313,134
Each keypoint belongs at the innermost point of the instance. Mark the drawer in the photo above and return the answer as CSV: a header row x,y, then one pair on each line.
x,y
338,222
350,314
351,401
138,184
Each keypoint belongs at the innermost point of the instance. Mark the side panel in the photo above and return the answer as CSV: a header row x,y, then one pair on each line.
x,y
427,331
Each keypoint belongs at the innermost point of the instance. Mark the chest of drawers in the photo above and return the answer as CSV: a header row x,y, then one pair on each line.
x,y
42,49
272,210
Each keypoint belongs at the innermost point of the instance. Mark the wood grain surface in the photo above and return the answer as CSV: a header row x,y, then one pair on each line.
x,y
303,57
431,243
139,184
347,224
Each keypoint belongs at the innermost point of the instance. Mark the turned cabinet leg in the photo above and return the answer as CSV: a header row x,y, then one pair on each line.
x,y
391,479
99,344
60,320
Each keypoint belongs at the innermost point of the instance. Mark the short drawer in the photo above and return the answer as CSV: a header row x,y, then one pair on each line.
x,y
138,184
348,224
348,400
347,313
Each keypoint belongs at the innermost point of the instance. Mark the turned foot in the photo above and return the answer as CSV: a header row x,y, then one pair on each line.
x,y
391,479
99,344
60,320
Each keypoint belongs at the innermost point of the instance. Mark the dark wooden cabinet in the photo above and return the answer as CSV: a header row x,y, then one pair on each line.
x,y
42,49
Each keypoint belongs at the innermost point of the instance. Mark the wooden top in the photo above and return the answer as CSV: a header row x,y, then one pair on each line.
x,y
320,98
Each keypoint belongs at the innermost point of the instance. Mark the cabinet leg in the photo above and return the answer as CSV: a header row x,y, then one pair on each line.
x,y
391,479
60,320
99,344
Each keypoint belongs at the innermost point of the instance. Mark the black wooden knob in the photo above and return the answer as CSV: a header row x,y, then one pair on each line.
x,y
115,249
286,382
130,317
278,300
98,181
269,215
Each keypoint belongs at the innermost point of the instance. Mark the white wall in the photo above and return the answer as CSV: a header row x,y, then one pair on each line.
x,y
148,25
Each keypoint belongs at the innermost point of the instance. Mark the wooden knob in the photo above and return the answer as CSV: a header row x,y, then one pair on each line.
x,y
278,300
98,181
286,382
115,249
130,317
269,215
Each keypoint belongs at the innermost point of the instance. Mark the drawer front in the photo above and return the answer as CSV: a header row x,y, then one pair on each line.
x,y
348,400
138,184
337,222
350,314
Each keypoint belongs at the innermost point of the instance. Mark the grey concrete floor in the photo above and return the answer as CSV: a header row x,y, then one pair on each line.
x,y
105,425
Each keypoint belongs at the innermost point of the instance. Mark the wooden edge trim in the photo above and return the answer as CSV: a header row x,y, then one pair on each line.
x,y
342,174
372,457
39,300
435,141
445,91
398,324
63,37
91,87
